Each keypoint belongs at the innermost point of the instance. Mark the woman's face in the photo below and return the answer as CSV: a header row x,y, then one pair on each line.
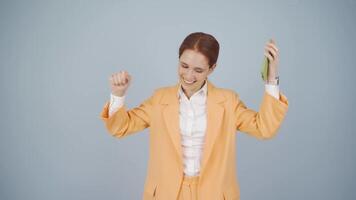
x,y
193,69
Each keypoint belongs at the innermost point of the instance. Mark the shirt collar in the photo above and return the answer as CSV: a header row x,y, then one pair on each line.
x,y
202,90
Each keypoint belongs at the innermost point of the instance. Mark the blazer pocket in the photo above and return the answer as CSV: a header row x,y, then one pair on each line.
x,y
151,192
231,193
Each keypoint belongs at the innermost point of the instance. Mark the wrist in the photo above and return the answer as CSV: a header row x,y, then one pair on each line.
x,y
273,81
118,94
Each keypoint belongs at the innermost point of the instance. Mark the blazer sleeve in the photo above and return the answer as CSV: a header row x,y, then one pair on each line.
x,y
126,121
265,123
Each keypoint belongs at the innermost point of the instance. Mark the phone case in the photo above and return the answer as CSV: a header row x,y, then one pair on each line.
x,y
264,69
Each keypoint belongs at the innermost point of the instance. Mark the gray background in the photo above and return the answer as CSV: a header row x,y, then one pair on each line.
x,y
56,57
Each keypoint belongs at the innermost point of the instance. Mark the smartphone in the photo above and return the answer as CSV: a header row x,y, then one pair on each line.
x,y
264,69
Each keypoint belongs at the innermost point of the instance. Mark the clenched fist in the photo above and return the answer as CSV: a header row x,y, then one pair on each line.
x,y
119,83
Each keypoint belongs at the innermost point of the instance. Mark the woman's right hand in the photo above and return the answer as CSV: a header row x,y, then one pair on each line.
x,y
119,83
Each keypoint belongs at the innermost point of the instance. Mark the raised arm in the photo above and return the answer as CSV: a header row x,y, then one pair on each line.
x,y
119,120
265,123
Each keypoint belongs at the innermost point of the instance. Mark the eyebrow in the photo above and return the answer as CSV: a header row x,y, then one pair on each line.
x,y
194,67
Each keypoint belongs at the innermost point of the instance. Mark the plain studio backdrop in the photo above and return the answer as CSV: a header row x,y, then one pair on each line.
x,y
56,58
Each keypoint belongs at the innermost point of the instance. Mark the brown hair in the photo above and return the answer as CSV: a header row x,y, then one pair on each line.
x,y
204,43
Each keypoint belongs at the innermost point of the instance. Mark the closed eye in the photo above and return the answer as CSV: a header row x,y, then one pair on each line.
x,y
196,69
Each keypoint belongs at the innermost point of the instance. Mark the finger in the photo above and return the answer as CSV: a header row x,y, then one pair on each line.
x,y
122,78
273,46
271,40
125,77
114,77
118,78
129,79
271,51
269,57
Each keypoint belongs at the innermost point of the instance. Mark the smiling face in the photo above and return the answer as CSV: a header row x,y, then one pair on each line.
x,y
193,70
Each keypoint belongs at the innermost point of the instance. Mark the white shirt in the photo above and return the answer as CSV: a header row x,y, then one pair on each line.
x,y
192,122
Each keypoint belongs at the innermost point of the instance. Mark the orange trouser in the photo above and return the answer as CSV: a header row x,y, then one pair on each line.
x,y
188,190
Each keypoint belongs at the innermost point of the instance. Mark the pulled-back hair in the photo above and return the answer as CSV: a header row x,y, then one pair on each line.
x,y
204,43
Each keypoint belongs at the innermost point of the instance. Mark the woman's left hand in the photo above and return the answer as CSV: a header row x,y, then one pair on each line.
x,y
271,52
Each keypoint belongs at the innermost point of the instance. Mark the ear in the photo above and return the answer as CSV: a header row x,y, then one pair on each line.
x,y
211,69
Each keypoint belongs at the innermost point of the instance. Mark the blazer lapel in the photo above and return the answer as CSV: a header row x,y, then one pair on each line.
x,y
171,119
215,112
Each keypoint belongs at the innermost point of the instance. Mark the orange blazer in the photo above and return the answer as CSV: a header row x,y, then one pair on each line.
x,y
226,114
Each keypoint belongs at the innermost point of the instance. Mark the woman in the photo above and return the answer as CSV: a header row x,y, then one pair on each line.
x,y
193,124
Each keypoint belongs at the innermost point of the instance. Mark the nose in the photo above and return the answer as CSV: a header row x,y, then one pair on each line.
x,y
189,75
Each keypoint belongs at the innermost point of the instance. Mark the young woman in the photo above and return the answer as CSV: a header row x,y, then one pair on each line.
x,y
193,124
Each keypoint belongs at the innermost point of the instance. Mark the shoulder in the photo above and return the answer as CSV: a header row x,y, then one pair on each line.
x,y
228,94
225,91
165,90
162,93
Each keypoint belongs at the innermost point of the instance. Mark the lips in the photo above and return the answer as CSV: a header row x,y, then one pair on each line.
x,y
188,82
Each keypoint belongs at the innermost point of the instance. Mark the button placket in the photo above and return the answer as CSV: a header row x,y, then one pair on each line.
x,y
190,118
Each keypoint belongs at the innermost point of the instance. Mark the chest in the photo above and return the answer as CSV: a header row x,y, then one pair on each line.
x,y
193,118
